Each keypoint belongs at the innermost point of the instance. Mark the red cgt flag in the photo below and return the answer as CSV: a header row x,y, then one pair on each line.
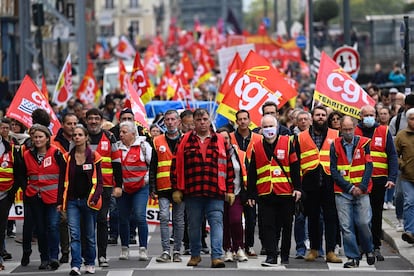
x,y
336,89
27,99
140,81
64,90
257,82
234,68
88,91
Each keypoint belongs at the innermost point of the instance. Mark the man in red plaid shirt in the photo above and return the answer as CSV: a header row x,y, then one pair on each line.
x,y
202,175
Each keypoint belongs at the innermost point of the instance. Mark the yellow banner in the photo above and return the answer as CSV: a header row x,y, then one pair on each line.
x,y
336,105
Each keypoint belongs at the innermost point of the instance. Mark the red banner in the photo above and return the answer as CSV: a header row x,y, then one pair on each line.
x,y
27,99
336,89
89,91
232,71
140,81
64,90
257,82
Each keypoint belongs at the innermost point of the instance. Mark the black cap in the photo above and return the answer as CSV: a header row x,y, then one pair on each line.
x,y
126,110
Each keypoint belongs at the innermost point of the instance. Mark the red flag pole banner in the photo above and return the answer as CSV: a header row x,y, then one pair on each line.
x,y
339,91
257,82
27,99
88,91
64,90
141,82
232,71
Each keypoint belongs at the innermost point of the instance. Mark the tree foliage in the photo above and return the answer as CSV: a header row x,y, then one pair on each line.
x,y
361,8
325,10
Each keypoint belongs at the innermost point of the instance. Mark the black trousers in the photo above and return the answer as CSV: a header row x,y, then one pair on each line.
x,y
102,222
5,205
250,225
376,198
317,201
277,217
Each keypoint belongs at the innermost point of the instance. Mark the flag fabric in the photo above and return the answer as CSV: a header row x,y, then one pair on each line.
x,y
339,91
124,49
64,90
140,81
137,105
152,63
123,77
234,68
27,99
44,89
202,74
161,90
89,91
257,82
185,67
232,20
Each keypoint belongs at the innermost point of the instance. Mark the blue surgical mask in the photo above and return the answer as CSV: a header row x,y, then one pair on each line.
x,y
172,131
368,121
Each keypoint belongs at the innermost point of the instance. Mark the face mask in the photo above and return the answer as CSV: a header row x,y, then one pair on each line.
x,y
348,136
369,121
172,131
269,132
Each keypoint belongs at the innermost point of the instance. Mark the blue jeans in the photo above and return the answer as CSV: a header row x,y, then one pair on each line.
x,y
197,208
75,210
46,219
177,221
355,213
408,192
135,203
300,234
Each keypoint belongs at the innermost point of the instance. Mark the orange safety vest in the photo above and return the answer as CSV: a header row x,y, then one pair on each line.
x,y
133,170
311,156
165,157
43,179
98,205
6,170
270,176
242,158
221,168
353,172
378,150
104,148
253,139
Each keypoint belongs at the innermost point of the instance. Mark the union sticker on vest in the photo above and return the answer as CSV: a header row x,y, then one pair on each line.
x,y
280,154
104,145
378,141
87,167
357,154
47,162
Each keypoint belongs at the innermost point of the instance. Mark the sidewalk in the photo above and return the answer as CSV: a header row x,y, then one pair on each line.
x,y
391,236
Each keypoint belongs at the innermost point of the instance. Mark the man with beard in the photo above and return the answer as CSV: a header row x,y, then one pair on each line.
x,y
312,147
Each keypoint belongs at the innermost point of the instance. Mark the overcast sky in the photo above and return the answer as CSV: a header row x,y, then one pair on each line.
x,y
246,4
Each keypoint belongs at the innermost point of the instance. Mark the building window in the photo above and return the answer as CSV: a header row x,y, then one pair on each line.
x,y
109,4
133,4
135,27
108,31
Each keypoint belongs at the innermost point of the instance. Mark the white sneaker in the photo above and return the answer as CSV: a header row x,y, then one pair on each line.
x,y
241,256
142,255
90,269
228,256
400,226
385,206
390,205
124,253
74,271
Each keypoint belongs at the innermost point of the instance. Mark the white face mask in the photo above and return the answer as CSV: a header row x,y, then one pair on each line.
x,y
269,132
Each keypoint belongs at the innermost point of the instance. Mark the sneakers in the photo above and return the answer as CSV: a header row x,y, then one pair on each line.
x,y
270,261
408,237
378,255
54,264
6,256
90,269
11,234
385,206
142,255
164,258
400,226
75,271
124,253
332,258
194,261
205,250
187,252
390,205
251,253
351,263
370,258
103,262
312,255
228,256
217,263
241,256
177,257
